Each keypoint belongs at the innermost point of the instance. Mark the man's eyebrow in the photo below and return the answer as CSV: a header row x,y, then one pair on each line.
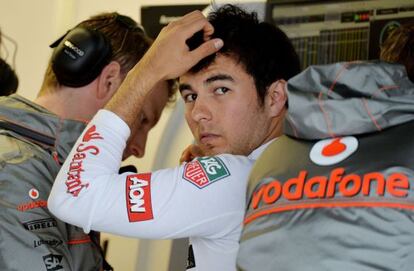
x,y
218,77
183,87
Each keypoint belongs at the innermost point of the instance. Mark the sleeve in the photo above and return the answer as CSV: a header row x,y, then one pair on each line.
x,y
203,198
30,237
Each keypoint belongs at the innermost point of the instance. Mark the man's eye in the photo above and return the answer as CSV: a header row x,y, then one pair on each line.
x,y
221,90
190,98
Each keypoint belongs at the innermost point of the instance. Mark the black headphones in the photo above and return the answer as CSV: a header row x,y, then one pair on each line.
x,y
81,54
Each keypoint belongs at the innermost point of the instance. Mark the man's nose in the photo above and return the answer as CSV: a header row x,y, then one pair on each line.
x,y
201,110
137,146
137,151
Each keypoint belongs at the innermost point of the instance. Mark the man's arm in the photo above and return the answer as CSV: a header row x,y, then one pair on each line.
x,y
168,58
177,202
203,198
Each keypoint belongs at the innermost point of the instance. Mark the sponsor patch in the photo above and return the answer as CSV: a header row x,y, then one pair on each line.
x,y
40,224
90,134
53,262
23,207
50,243
336,189
333,150
138,197
204,171
34,193
74,181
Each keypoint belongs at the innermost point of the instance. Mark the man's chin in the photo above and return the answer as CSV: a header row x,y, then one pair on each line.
x,y
213,150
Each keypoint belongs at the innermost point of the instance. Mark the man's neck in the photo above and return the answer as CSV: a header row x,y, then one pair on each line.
x,y
69,103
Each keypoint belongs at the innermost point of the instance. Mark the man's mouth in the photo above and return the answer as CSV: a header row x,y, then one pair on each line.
x,y
208,138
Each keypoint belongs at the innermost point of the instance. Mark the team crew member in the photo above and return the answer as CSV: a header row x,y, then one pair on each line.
x,y
232,106
355,190
342,196
85,70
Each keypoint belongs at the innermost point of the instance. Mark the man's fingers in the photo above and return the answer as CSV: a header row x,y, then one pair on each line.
x,y
207,48
191,152
194,22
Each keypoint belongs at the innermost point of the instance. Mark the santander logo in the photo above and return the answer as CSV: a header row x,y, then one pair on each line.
x,y
74,181
333,150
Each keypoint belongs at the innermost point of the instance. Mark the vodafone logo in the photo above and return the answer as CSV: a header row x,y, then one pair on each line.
x,y
33,193
138,196
333,150
335,189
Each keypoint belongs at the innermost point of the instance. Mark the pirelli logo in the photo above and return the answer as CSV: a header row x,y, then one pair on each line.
x,y
40,224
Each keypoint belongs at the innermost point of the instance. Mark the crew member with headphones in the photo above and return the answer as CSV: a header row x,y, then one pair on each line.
x,y
87,66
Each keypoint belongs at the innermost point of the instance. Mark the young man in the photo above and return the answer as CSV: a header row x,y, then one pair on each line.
x,y
86,69
234,104
336,193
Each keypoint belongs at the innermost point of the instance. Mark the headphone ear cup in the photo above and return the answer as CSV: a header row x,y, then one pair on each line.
x,y
80,57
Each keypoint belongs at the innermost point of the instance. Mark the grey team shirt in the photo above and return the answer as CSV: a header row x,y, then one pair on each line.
x,y
203,199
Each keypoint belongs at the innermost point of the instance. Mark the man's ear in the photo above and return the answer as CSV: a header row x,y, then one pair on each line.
x,y
109,80
276,98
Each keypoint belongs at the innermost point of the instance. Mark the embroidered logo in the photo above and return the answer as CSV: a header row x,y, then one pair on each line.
x,y
53,262
23,207
74,181
40,224
33,193
204,171
91,133
336,189
333,150
138,197
50,242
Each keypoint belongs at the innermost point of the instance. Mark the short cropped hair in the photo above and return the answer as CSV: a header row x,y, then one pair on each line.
x,y
128,41
265,52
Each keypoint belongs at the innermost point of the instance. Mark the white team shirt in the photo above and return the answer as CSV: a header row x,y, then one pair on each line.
x,y
203,199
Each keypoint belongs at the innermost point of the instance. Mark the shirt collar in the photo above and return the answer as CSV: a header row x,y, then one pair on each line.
x,y
258,151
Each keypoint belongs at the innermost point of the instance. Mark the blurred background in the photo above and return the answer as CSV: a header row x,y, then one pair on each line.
x,y
322,32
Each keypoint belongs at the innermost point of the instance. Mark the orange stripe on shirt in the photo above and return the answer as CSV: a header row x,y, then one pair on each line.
x,y
280,209
79,241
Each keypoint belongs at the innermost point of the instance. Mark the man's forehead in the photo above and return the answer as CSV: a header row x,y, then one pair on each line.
x,y
222,65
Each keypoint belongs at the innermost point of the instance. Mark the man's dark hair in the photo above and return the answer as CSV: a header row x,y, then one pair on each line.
x,y
262,48
8,79
399,48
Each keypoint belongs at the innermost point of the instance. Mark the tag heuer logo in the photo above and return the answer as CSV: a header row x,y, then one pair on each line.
x,y
204,171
